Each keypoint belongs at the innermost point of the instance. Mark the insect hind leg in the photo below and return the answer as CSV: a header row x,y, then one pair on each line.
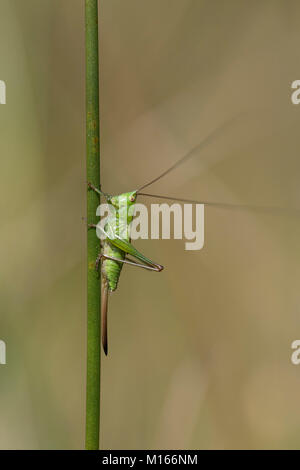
x,y
155,267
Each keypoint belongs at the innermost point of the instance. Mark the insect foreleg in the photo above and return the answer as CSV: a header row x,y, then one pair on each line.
x,y
91,186
98,191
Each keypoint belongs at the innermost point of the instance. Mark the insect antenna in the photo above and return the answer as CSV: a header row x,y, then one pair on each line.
x,y
194,150
221,205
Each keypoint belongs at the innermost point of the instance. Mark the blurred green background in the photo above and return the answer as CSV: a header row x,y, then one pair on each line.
x,y
199,354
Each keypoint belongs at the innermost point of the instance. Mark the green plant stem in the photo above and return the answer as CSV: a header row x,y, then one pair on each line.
x,y
93,244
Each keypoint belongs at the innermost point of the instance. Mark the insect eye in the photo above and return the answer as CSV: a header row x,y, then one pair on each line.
x,y
132,198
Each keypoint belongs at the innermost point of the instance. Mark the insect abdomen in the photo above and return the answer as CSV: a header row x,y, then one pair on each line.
x,y
111,269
